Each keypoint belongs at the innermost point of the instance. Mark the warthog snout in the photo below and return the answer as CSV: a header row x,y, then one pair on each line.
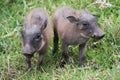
x,y
98,34
28,50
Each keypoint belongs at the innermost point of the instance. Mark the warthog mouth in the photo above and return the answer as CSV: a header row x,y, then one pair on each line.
x,y
84,36
28,55
98,38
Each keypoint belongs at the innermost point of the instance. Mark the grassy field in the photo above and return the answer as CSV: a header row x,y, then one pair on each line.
x,y
102,57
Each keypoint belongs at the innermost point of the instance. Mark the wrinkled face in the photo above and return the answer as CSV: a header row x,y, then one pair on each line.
x,y
88,25
31,39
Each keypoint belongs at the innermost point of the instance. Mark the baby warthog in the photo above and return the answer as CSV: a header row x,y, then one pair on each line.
x,y
36,35
75,28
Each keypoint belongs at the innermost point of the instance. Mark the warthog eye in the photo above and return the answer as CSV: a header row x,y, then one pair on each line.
x,y
38,37
85,23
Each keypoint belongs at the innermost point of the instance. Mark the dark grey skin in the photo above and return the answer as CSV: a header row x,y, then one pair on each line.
x,y
36,35
75,28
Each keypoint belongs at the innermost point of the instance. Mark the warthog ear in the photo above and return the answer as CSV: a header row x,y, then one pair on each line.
x,y
44,25
72,19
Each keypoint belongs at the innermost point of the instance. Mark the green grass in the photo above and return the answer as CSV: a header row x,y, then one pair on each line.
x,y
105,55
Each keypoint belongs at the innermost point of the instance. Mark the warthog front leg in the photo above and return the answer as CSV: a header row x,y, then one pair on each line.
x,y
64,54
82,49
42,53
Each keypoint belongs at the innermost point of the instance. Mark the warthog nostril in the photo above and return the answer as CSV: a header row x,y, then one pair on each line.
x,y
93,36
25,52
28,50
